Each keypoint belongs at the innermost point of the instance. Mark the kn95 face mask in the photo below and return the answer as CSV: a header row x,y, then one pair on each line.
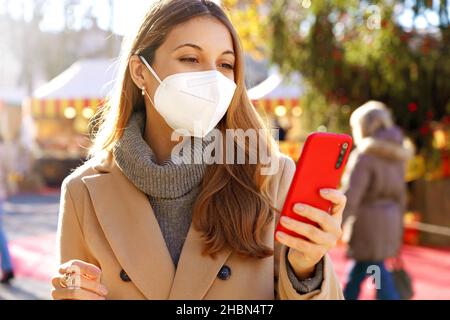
x,y
193,102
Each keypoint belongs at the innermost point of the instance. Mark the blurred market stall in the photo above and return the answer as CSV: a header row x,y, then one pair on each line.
x,y
60,112
277,99
17,151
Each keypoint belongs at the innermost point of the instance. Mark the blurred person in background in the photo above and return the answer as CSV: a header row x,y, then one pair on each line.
x,y
7,269
375,187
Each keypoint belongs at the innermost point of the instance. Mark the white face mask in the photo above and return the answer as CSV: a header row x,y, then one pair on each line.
x,y
193,102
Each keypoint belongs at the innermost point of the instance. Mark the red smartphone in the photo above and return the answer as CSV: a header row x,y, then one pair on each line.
x,y
320,166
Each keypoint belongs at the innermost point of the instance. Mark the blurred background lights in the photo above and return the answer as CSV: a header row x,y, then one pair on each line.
x,y
88,113
297,111
280,111
70,113
306,4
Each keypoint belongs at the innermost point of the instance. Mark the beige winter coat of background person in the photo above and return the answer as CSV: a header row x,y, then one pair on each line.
x,y
375,186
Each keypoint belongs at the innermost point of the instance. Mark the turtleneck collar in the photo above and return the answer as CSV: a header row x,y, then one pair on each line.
x,y
170,180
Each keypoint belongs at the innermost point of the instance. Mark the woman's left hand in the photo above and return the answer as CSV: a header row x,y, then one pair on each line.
x,y
303,254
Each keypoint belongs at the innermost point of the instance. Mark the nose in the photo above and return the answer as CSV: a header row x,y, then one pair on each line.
x,y
209,66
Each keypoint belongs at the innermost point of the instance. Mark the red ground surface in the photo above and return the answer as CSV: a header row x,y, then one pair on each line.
x,y
34,257
428,267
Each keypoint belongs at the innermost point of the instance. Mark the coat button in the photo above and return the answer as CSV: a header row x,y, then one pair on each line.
x,y
224,273
124,276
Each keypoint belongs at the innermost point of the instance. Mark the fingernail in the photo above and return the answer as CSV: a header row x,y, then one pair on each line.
x,y
281,235
299,207
285,220
325,191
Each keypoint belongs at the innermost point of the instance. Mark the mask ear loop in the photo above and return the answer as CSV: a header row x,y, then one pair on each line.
x,y
144,92
150,69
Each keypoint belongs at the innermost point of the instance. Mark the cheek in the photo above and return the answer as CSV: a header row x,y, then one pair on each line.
x,y
152,85
229,75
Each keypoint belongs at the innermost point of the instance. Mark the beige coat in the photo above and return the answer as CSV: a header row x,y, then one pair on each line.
x,y
374,184
105,220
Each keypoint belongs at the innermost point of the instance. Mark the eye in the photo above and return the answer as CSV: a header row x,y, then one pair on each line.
x,y
227,66
190,60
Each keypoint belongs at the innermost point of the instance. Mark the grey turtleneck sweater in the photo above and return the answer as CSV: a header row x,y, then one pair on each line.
x,y
172,188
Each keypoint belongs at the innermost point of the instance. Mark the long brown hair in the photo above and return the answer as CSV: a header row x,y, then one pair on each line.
x,y
233,207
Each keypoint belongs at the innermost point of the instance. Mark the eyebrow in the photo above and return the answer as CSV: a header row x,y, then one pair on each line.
x,y
199,48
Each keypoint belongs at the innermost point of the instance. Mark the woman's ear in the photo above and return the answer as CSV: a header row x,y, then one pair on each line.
x,y
137,69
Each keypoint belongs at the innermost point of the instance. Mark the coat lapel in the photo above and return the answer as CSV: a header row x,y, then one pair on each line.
x,y
131,228
133,232
196,272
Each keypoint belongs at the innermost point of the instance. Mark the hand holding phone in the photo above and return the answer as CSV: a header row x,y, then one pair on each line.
x,y
320,166
310,222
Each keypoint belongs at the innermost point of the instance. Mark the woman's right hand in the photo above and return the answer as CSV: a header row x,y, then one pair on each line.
x,y
87,280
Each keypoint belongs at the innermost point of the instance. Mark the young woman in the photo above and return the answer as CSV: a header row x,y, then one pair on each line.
x,y
136,223
375,186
